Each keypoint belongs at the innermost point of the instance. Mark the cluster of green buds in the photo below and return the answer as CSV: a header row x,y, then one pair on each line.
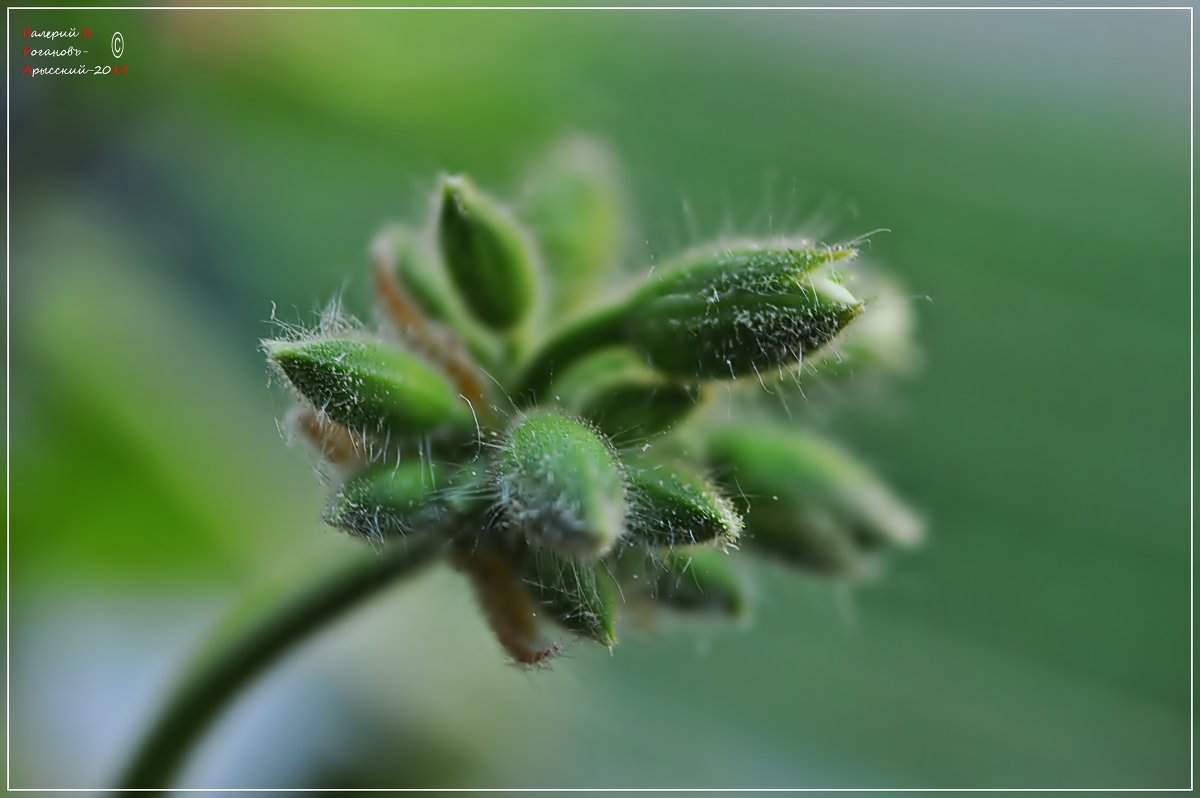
x,y
556,443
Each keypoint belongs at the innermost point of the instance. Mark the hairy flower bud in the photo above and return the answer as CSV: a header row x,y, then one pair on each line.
x,y
671,506
811,503
369,386
579,596
725,312
389,500
487,255
560,483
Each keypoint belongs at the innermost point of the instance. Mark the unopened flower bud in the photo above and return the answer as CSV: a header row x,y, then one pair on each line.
x,y
389,500
726,312
559,482
811,503
487,254
369,386
671,506
577,595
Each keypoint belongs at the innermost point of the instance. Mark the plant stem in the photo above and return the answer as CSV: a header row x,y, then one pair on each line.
x,y
234,659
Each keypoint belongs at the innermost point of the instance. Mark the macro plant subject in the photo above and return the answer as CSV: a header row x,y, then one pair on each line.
x,y
580,442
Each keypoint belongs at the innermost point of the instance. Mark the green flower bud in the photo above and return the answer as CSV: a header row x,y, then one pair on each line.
x,y
811,503
671,506
559,482
579,596
417,267
700,581
574,205
368,386
389,500
487,254
627,400
739,309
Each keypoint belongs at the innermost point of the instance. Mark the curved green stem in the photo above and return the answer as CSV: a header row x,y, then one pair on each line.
x,y
236,657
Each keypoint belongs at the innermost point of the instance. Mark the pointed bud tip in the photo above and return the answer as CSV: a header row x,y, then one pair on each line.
x,y
275,347
453,187
832,291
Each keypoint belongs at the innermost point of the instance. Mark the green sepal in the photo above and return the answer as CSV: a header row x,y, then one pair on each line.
x,y
625,399
811,503
371,387
573,203
672,506
391,500
734,310
579,596
488,256
559,483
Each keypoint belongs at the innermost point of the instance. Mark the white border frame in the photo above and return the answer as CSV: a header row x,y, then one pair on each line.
x,y
1191,11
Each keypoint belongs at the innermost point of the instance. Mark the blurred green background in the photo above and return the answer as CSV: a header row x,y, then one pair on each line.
x,y
1033,167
